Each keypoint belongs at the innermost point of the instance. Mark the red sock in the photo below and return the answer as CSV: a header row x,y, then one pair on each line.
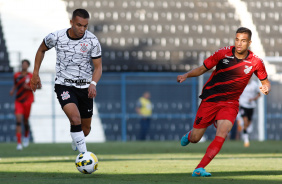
x,y
212,151
19,138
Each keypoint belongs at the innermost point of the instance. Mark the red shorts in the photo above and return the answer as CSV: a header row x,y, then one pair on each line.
x,y
209,112
23,108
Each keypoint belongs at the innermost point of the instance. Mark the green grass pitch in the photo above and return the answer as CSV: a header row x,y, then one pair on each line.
x,y
142,162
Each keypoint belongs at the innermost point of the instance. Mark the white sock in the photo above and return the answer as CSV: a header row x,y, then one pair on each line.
x,y
79,139
246,137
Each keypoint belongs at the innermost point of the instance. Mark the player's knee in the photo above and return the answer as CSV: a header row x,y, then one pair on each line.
x,y
194,139
75,120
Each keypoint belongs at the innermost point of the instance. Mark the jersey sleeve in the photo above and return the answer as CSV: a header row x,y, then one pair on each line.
x,y
213,60
96,51
50,40
260,71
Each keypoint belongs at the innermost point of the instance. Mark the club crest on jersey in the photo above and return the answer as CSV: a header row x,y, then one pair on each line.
x,y
248,69
65,95
84,47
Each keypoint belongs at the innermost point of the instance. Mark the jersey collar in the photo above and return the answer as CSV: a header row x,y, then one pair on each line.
x,y
73,38
247,56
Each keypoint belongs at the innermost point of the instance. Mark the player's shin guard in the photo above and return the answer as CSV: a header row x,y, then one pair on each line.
x,y
78,137
212,151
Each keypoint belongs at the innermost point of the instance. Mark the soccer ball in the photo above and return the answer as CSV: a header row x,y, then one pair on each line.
x,y
86,162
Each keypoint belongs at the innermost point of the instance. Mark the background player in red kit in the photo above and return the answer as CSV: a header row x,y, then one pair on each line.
x,y
234,68
24,99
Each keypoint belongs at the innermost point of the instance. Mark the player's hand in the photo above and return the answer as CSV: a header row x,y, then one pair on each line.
x,y
181,78
92,91
264,89
35,83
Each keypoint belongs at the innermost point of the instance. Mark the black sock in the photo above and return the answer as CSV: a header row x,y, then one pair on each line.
x,y
76,128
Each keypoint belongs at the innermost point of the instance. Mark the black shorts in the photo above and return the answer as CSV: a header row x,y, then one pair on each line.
x,y
247,112
69,94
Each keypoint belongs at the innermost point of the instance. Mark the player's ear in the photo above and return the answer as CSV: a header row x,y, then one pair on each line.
x,y
71,22
250,42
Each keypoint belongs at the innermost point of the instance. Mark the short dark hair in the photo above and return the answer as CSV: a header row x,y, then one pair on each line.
x,y
27,61
81,13
245,30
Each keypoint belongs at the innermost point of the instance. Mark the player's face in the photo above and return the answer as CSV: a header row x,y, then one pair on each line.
x,y
25,66
79,26
242,43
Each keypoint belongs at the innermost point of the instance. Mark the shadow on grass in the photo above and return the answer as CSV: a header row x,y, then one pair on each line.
x,y
237,177
121,148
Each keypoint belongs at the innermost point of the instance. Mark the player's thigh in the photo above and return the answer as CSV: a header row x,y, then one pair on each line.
x,y
27,109
72,113
69,102
223,127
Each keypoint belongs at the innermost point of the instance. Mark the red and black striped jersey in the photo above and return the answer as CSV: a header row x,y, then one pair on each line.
x,y
20,81
231,74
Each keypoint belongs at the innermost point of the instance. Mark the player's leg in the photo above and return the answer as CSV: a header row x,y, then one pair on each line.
x,y
85,107
19,117
26,123
193,136
77,134
223,128
69,103
86,125
205,115
225,117
245,132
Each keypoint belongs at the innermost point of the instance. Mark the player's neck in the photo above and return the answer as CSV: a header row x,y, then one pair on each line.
x,y
72,35
24,72
241,56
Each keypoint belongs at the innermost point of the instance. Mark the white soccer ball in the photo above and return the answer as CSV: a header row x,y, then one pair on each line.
x,y
87,162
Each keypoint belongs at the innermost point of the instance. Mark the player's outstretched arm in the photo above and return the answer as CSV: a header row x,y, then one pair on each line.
x,y
193,73
35,82
97,73
266,87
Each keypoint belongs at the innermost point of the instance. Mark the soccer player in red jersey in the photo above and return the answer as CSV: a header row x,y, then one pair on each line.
x,y
234,67
24,99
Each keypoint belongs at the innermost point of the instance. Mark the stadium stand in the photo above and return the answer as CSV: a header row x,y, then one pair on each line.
x,y
158,35
7,125
267,16
4,58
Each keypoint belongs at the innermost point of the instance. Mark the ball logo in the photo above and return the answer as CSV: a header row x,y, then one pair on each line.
x,y
84,47
65,95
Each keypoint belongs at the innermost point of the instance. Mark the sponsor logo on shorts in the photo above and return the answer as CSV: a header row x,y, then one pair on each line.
x,y
198,120
65,95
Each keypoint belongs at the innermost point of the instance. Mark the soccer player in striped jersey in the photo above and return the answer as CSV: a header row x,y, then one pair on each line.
x,y
23,102
234,66
75,82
